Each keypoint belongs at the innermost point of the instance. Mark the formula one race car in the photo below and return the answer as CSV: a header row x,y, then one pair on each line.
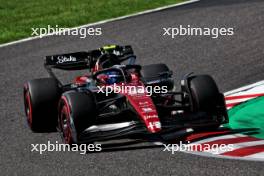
x,y
112,101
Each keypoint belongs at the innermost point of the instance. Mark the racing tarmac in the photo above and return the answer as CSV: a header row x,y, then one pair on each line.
x,y
233,61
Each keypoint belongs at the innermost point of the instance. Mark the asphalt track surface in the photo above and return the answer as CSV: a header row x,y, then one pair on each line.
x,y
233,61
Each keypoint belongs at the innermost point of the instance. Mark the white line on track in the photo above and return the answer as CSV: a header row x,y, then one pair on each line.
x,y
239,100
105,21
257,155
246,144
235,146
229,136
251,86
204,154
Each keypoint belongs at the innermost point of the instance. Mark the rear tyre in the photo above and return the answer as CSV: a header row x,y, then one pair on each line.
x,y
40,100
153,70
77,111
152,73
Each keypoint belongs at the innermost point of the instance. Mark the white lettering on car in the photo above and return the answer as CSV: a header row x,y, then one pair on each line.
x,y
62,59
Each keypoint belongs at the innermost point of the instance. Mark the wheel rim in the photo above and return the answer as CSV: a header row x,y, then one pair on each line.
x,y
28,108
65,125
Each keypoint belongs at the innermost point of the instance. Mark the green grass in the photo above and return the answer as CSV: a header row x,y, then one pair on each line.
x,y
17,17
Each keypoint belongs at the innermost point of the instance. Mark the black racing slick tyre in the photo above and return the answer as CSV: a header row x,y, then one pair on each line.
x,y
206,97
204,93
151,73
77,111
153,70
41,100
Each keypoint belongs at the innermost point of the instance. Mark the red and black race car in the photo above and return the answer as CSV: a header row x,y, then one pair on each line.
x,y
85,111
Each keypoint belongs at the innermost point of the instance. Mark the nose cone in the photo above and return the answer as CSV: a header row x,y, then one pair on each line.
x,y
153,126
145,108
147,112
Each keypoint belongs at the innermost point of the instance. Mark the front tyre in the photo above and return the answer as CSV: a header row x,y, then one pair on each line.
x,y
77,111
206,97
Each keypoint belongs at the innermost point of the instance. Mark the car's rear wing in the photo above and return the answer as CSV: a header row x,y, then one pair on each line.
x,y
85,60
70,61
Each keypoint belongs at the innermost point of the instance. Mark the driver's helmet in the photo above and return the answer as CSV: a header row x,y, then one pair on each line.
x,y
113,77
